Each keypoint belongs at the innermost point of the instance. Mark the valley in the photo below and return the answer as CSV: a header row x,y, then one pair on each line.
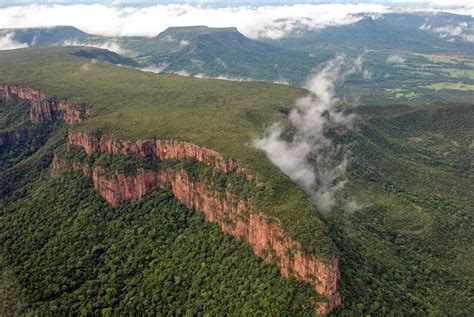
x,y
207,171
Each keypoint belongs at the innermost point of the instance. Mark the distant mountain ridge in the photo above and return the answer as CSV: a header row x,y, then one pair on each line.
x,y
226,53
201,50
49,36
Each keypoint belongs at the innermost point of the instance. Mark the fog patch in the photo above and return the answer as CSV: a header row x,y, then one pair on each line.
x,y
451,32
88,66
7,42
106,45
366,74
157,69
181,73
396,59
309,157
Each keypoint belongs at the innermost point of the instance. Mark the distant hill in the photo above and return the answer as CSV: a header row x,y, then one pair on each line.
x,y
402,228
105,56
49,36
394,47
221,52
422,32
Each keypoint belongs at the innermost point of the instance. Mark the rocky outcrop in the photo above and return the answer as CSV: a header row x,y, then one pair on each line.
x,y
236,218
25,93
44,108
160,149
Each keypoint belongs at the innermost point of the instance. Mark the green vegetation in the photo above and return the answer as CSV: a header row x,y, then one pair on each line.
x,y
460,73
50,35
106,56
397,31
65,251
220,115
452,86
425,57
403,225
401,93
407,249
232,182
223,52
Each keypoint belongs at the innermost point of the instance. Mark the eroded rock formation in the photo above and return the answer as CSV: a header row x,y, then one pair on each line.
x,y
160,149
44,108
236,218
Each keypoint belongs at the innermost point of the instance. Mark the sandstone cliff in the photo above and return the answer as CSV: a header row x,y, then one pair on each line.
x,y
239,219
160,149
44,108
236,218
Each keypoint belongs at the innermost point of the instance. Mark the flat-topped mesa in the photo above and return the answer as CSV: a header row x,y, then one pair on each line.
x,y
160,149
235,217
44,108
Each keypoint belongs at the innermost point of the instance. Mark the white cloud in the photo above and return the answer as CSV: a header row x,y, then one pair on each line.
x,y
448,30
366,74
162,68
107,45
7,42
425,27
155,68
181,73
255,22
395,59
310,158
451,31
169,39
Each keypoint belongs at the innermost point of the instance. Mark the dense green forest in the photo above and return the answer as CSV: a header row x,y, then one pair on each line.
x,y
65,251
401,60
406,251
403,225
408,248
132,105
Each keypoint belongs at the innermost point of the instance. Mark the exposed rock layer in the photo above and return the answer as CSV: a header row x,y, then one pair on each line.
x,y
261,232
160,149
44,108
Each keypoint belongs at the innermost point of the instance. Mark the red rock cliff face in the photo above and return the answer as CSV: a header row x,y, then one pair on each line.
x,y
235,218
161,149
44,108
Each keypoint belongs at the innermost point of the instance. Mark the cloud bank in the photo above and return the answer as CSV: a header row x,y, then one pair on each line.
x,y
255,22
7,42
107,45
452,31
163,68
309,157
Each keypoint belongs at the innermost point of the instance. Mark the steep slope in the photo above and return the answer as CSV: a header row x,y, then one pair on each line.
x,y
406,238
270,208
66,251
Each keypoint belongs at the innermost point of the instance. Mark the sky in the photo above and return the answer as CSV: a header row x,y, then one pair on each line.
x,y
441,3
118,18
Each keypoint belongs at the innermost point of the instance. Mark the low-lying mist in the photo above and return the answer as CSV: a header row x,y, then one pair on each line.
x,y
302,149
